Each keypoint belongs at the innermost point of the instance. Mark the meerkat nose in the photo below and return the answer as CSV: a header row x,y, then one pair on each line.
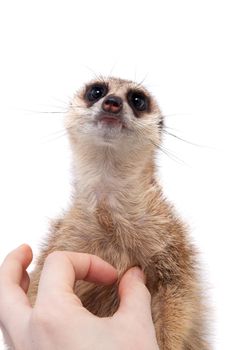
x,y
112,104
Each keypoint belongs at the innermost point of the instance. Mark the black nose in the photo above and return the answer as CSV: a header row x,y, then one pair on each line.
x,y
112,104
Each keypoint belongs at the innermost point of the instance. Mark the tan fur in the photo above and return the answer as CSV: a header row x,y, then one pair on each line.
x,y
119,213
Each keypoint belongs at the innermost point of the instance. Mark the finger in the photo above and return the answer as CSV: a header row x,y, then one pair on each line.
x,y
13,300
62,269
25,282
135,299
13,269
16,261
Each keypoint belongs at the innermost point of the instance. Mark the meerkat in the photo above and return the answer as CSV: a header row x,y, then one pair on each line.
x,y
119,212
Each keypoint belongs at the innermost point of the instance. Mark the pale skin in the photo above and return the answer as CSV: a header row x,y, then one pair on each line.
x,y
58,320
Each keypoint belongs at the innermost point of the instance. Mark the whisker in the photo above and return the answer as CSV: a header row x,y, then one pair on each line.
x,y
181,139
63,102
43,112
169,127
53,112
176,115
59,133
54,136
168,153
94,74
49,112
171,155
140,83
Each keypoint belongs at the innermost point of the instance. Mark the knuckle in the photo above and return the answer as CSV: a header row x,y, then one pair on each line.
x,y
38,318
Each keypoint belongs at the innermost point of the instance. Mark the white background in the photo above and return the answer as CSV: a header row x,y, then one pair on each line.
x,y
183,49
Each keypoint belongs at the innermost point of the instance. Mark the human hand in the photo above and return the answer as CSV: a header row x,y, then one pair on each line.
x,y
58,320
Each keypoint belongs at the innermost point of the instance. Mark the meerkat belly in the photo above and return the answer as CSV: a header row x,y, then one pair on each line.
x,y
103,300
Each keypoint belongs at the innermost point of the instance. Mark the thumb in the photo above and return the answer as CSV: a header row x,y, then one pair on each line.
x,y
135,299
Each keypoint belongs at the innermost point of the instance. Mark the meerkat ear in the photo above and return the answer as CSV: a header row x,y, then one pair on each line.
x,y
161,123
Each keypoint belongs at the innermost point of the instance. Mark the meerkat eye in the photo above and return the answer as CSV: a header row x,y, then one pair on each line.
x,y
138,101
95,92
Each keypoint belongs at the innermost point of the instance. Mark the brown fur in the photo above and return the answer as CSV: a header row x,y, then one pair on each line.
x,y
120,214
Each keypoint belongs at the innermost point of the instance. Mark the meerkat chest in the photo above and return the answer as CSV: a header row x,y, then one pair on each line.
x,y
113,221
125,238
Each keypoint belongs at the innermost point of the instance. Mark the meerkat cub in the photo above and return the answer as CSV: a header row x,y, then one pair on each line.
x,y
119,211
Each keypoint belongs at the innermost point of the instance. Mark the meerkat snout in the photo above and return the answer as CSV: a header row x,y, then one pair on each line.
x,y
112,104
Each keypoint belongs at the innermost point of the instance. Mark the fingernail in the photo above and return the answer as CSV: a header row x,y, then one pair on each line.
x,y
136,271
24,247
21,246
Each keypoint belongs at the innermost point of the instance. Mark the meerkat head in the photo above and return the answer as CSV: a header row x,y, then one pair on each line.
x,y
114,113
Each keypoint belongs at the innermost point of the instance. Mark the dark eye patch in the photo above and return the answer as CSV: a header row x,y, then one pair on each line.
x,y
95,92
138,101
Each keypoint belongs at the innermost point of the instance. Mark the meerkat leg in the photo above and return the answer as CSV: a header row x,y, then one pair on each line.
x,y
177,324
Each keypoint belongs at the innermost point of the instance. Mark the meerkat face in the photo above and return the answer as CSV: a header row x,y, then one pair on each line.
x,y
114,112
